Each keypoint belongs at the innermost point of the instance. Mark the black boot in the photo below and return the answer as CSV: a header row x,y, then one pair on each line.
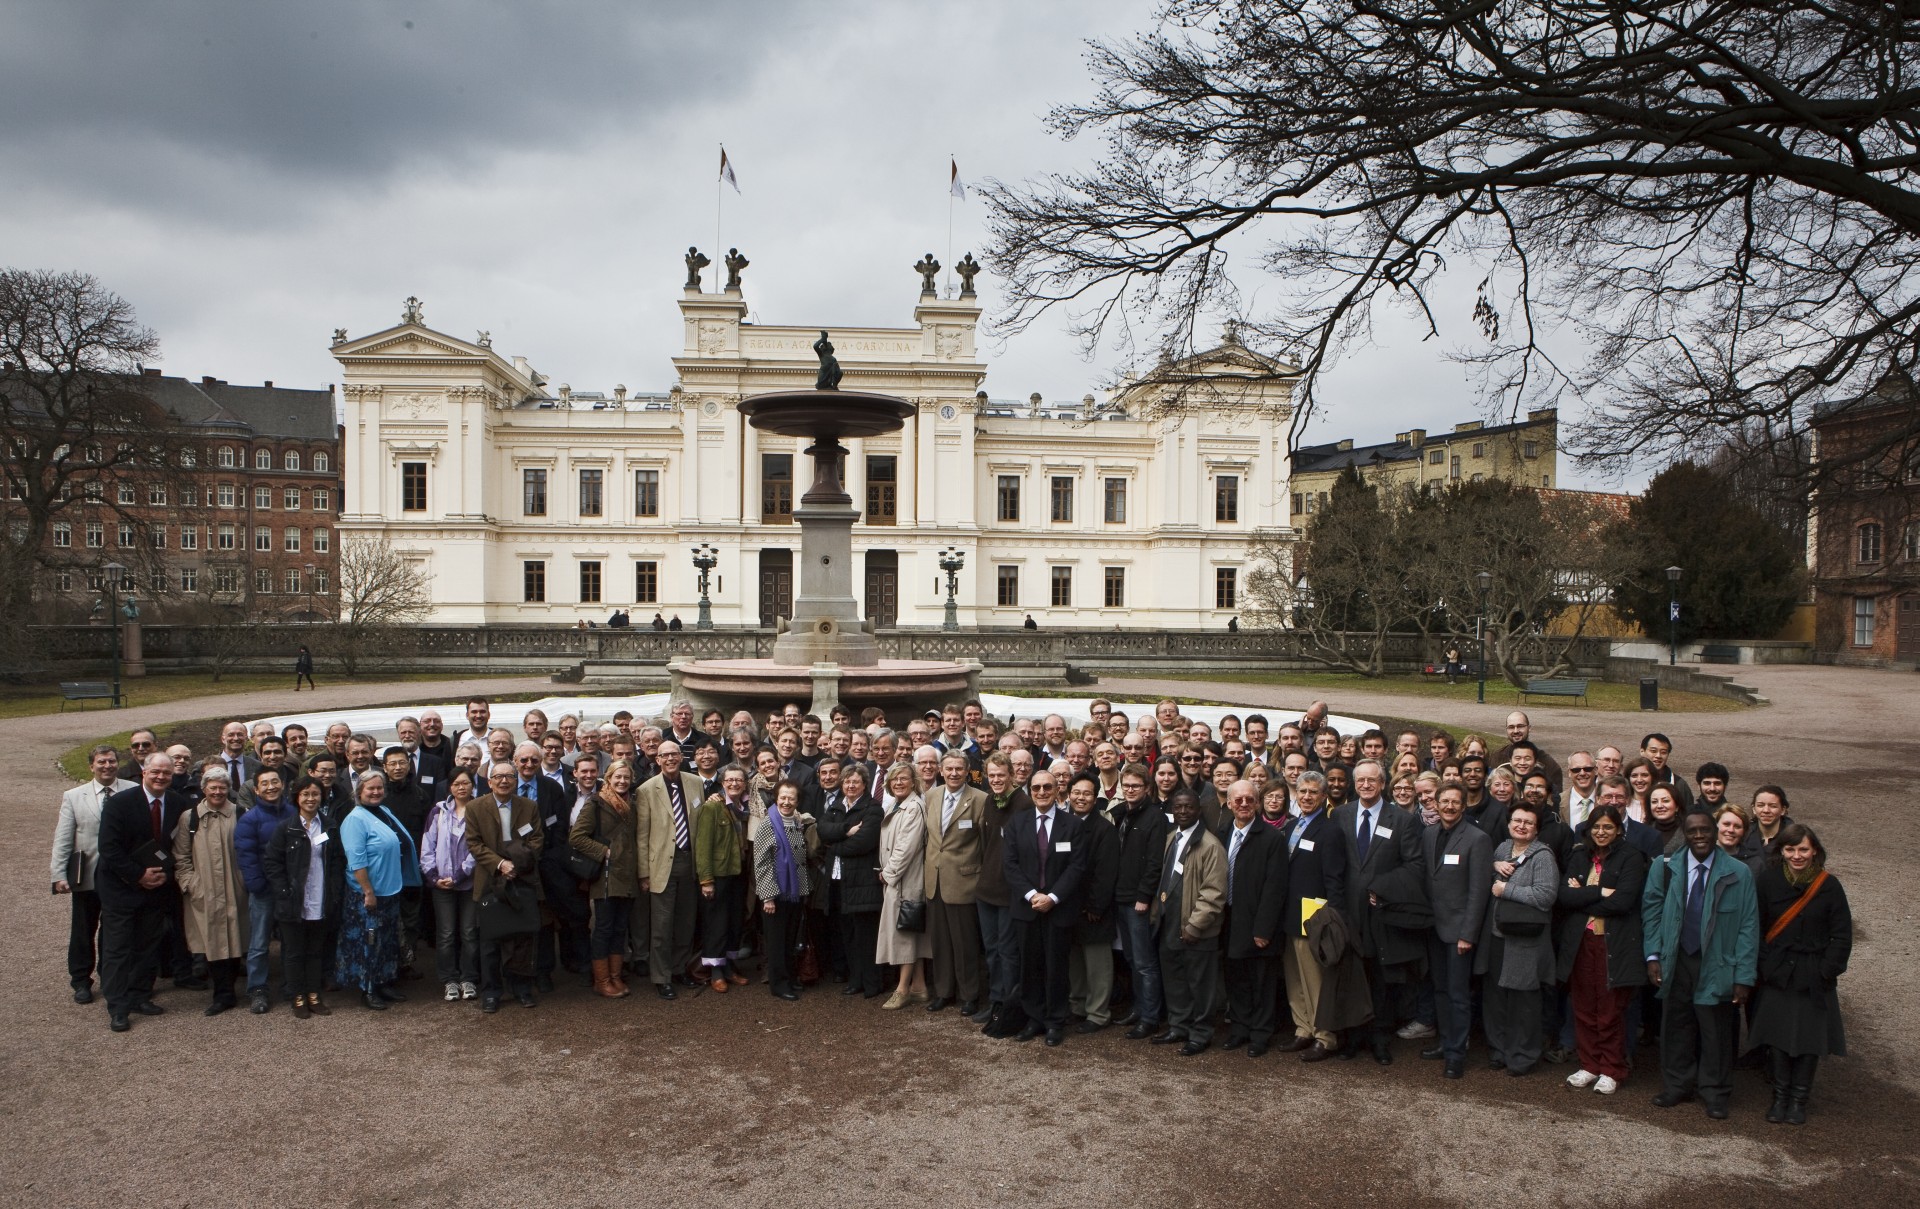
x,y
1802,1087
1780,1071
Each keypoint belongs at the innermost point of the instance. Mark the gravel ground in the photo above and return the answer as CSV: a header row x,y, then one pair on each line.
x,y
749,1101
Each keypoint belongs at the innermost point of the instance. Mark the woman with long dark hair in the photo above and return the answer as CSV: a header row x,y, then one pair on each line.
x,y
1806,931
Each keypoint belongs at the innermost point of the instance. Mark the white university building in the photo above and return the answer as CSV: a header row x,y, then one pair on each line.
x,y
527,502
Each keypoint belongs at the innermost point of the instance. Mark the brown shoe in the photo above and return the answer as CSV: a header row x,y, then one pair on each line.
x,y
316,1007
300,1009
735,976
615,964
720,984
602,981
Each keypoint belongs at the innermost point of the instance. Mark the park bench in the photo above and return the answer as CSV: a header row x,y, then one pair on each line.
x,y
1548,686
1718,653
84,690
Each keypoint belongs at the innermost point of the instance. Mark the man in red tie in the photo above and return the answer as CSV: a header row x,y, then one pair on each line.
x,y
135,882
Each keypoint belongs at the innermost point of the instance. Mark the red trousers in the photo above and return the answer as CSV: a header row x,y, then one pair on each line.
x,y
1599,1011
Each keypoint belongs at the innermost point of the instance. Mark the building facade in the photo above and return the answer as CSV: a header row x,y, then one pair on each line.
x,y
1863,535
525,502
1526,453
240,524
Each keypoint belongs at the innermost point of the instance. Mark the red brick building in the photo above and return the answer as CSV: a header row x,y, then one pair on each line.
x,y
244,523
1863,541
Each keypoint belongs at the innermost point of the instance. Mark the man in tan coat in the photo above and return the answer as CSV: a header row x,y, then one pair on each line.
x,y
213,894
956,848
668,882
1187,913
505,837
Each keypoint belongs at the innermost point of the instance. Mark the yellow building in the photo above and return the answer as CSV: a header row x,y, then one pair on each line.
x,y
1526,452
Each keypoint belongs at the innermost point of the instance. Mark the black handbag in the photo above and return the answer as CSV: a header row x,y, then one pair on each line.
x,y
582,867
1518,919
912,916
509,909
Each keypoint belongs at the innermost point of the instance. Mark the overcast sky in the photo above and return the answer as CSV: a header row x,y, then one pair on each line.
x,y
251,176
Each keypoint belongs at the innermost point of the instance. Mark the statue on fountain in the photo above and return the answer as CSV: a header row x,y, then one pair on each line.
x,y
829,378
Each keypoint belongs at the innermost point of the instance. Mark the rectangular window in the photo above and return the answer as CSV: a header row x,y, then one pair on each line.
x,y
776,488
290,499
881,489
1226,499
62,534
1479,449
590,582
533,492
1226,588
126,536
592,493
189,537
1529,449
263,540
646,493
1061,581
413,486
1115,509
125,494
189,497
1116,588
189,579
225,538
63,580
157,581
96,535
1863,621
228,497
1060,499
292,542
94,492
158,536
322,540
533,581
157,495
1009,498
646,582
1453,470
262,498
1007,587
226,579
293,581
321,499
1298,501
1869,543
96,580
1436,457
319,577
263,580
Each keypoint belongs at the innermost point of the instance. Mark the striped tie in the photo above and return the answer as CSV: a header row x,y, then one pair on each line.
x,y
680,836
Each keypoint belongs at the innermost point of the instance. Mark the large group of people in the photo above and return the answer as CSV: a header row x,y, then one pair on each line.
x,y
1253,889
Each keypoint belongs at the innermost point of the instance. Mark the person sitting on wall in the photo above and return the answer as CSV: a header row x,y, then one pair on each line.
x,y
1030,623
659,622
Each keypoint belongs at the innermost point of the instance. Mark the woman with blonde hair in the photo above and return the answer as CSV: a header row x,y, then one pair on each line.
x,y
903,862
608,830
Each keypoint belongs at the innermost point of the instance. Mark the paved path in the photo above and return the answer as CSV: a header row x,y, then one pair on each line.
x,y
742,1100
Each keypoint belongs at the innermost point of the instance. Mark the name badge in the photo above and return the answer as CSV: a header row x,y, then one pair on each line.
x,y
1178,867
426,780
964,825
1383,831
1451,858
552,819
323,838
525,829
1306,845
1063,846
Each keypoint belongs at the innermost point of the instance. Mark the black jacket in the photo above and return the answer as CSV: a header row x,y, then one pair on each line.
x,y
287,861
1095,924
127,847
861,892
1260,884
1813,951
1065,863
1143,846
1392,862
1624,871
1318,868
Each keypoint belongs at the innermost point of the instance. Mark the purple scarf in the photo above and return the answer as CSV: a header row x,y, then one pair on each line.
x,y
786,873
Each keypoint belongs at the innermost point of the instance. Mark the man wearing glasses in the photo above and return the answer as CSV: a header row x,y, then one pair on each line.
x,y
1583,788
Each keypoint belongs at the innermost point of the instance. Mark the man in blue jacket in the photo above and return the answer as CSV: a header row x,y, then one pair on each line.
x,y
1702,922
251,835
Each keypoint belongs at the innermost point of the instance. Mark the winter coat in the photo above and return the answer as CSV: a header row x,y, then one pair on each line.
x,y
212,893
1729,924
253,834
1096,922
856,851
288,859
1624,871
1526,962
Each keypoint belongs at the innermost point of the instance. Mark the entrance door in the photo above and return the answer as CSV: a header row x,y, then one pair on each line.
x,y
776,587
1907,635
883,588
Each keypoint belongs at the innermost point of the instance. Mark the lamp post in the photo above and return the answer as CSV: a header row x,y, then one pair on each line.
x,y
310,617
951,560
1673,615
113,573
705,559
1485,580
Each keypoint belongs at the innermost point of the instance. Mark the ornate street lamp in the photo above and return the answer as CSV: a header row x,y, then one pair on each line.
x,y
951,560
310,616
117,612
1673,615
705,559
1485,580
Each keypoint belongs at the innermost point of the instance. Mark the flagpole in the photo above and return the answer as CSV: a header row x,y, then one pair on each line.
x,y
950,234
719,182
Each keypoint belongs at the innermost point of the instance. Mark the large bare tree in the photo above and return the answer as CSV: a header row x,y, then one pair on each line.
x,y
381,590
1716,198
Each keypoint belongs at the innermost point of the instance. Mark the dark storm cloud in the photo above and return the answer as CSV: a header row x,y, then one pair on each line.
x,y
142,95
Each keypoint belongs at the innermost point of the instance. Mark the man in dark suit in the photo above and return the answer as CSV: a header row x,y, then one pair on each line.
x,y
998,935
786,745
1458,859
241,763
1044,868
1381,841
1256,902
565,943
134,880
1317,870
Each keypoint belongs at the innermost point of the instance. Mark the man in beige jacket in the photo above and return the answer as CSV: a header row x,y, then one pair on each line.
x,y
668,882
956,848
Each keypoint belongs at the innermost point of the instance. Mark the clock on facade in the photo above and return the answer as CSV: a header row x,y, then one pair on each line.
x,y
947,412
710,407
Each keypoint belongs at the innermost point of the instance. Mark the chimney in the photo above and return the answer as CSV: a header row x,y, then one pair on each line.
x,y
269,384
1415,437
1345,445
1470,426
209,380
1544,413
151,373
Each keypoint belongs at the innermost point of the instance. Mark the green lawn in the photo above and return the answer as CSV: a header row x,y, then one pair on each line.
x,y
1600,694
21,701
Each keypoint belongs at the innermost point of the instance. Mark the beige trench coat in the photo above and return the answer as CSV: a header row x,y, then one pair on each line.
x,y
212,893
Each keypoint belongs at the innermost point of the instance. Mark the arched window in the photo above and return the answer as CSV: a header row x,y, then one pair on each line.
x,y
226,455
293,459
1912,544
322,463
263,459
1868,542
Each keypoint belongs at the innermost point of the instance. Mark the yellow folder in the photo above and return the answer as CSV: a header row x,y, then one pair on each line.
x,y
1308,908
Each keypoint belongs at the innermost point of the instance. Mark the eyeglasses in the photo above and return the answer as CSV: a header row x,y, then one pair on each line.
x,y
1580,768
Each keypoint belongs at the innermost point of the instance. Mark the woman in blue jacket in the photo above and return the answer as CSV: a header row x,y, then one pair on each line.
x,y
380,862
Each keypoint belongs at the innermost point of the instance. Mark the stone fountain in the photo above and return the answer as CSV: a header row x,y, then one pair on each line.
x,y
825,654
